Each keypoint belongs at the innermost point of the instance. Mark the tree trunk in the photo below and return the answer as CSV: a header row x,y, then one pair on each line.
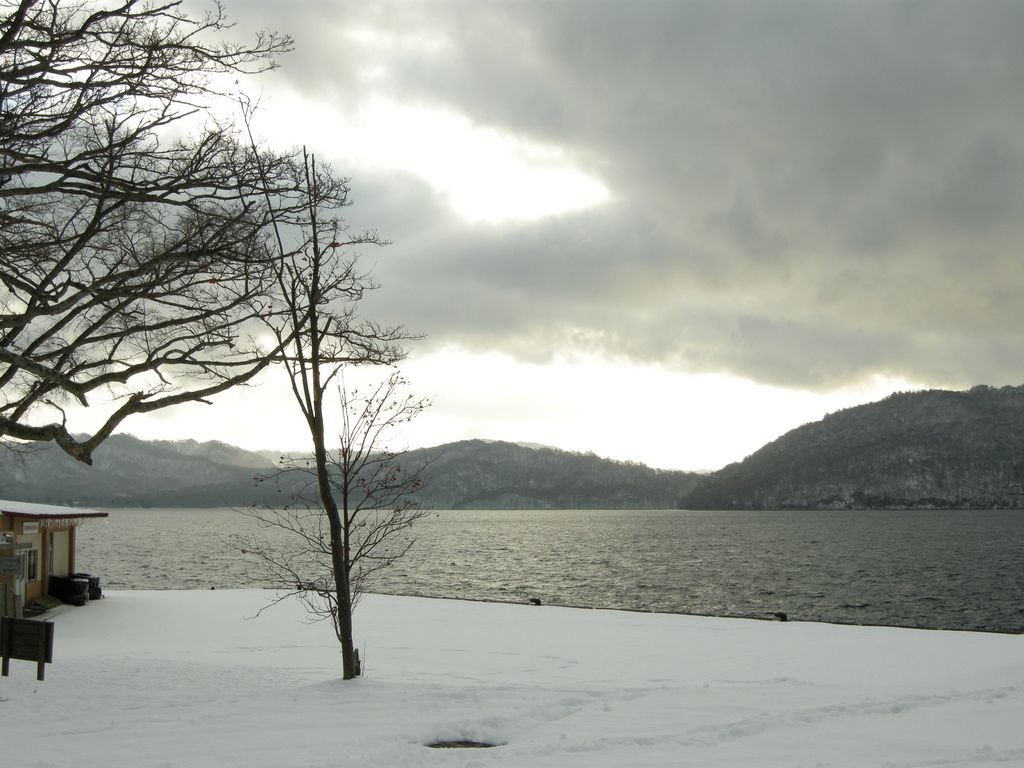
x,y
349,666
349,661
343,621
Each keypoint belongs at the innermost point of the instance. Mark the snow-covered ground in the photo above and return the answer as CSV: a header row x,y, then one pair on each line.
x,y
188,679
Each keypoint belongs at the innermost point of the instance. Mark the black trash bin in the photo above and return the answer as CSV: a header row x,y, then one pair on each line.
x,y
95,593
69,590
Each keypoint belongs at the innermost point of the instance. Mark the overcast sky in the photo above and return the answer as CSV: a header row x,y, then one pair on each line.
x,y
670,231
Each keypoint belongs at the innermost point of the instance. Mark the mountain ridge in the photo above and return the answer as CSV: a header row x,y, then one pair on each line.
x,y
912,450
130,472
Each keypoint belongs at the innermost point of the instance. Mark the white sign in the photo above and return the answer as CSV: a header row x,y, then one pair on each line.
x,y
29,528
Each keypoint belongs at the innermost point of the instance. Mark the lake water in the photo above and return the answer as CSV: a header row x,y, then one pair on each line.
x,y
940,569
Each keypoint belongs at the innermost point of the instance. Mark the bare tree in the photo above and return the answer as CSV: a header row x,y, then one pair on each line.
x,y
134,229
374,490
320,332
152,256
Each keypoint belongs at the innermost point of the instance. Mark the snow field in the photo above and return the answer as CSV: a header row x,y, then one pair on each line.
x,y
190,679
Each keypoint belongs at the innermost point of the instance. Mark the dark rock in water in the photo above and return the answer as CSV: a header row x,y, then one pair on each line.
x,y
461,744
535,600
781,616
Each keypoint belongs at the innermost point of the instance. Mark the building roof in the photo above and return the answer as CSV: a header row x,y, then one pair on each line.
x,y
48,512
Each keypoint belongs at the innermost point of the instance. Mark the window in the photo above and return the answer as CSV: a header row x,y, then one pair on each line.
x,y
33,565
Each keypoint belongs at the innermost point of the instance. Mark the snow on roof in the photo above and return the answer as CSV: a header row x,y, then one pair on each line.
x,y
47,511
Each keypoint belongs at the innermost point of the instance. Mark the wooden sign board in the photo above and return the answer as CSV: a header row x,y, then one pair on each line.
x,y
26,640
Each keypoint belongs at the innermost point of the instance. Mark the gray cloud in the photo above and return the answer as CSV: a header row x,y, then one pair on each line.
x,y
803,193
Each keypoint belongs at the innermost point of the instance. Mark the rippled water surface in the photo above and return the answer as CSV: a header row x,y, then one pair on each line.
x,y
952,570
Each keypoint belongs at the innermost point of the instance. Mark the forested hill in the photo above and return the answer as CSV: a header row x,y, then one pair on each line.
x,y
476,474
470,474
128,472
933,449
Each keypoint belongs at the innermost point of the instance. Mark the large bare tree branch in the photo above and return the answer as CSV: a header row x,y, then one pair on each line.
x,y
137,258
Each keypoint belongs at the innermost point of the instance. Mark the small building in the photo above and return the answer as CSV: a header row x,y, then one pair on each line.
x,y
37,541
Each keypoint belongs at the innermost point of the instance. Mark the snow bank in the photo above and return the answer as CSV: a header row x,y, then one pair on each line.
x,y
190,679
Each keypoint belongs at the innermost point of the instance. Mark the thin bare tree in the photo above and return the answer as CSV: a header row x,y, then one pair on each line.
x,y
321,333
326,558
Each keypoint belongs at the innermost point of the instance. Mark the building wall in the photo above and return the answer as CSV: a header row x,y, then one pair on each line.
x,y
50,549
35,581
59,559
